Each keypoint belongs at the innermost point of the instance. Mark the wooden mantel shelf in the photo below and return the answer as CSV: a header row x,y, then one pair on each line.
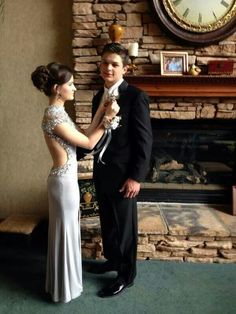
x,y
182,86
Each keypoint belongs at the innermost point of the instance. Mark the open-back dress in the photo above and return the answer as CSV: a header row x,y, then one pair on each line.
x,y
64,270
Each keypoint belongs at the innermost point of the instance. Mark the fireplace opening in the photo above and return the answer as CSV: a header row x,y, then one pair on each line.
x,y
192,161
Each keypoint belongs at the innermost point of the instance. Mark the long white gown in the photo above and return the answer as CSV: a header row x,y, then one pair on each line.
x,y
64,267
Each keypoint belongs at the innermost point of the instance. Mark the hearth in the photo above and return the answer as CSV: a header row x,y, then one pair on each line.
x,y
192,161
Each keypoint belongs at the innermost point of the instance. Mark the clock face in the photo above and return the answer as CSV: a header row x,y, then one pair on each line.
x,y
200,22
201,15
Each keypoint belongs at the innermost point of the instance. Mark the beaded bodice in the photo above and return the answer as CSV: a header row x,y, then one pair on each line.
x,y
53,116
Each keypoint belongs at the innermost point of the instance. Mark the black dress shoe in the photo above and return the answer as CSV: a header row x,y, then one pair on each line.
x,y
114,289
102,268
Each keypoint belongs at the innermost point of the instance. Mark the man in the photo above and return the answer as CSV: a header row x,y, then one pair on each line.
x,y
120,169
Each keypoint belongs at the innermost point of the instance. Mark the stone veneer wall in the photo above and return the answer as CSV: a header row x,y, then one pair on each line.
x,y
173,232
91,19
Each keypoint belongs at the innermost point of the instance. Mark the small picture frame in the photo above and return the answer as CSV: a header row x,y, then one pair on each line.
x,y
173,62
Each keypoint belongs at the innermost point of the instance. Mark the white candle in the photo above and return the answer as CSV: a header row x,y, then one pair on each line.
x,y
133,49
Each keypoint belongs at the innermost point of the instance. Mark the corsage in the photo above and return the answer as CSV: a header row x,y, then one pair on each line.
x,y
110,125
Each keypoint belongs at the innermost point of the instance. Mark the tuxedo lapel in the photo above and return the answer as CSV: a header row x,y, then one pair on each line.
x,y
122,92
96,101
100,94
122,88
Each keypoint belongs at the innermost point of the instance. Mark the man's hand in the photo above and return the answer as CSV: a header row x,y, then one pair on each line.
x,y
130,188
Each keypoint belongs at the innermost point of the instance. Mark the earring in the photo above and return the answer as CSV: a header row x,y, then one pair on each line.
x,y
58,96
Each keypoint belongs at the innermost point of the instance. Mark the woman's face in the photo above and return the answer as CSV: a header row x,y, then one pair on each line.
x,y
67,90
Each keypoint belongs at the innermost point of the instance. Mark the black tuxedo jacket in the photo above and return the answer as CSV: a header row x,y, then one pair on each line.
x,y
131,143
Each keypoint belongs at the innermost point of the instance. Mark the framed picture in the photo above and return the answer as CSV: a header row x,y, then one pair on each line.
x,y
173,62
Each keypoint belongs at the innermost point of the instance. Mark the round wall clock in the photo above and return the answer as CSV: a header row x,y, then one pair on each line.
x,y
200,22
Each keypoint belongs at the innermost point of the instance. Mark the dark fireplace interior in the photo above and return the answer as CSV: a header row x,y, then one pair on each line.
x,y
192,161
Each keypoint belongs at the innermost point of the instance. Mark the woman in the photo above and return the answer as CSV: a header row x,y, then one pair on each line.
x,y
64,271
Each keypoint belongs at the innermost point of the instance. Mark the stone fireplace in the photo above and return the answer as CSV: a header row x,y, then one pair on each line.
x,y
201,109
194,138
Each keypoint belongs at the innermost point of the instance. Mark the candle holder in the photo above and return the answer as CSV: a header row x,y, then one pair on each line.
x,y
132,66
133,53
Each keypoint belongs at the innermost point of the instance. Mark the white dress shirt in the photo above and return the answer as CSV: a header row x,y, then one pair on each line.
x,y
112,91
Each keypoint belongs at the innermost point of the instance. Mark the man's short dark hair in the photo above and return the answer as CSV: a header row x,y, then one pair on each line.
x,y
118,49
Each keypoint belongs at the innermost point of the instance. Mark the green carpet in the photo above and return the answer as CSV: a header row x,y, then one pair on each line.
x,y
160,288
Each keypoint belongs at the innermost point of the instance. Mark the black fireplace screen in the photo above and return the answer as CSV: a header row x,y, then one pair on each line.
x,y
196,157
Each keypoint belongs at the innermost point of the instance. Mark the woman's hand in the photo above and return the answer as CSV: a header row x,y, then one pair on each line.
x,y
112,109
102,108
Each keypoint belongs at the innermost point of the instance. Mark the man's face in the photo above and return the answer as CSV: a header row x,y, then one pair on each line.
x,y
111,68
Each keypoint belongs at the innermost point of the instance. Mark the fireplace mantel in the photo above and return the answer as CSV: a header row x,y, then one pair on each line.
x,y
185,86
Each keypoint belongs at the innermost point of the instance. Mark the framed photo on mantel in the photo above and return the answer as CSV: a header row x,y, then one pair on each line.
x,y
173,62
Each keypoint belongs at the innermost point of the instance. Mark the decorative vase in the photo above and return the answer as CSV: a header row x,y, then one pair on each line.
x,y
87,197
115,31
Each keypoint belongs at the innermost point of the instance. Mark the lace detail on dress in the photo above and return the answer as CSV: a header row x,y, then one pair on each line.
x,y
53,116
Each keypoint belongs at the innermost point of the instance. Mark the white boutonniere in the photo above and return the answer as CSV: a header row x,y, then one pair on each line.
x,y
115,122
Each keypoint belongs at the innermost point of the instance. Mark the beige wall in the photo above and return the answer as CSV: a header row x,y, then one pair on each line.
x,y
32,33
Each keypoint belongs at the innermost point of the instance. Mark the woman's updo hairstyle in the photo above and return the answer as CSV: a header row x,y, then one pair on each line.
x,y
45,77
